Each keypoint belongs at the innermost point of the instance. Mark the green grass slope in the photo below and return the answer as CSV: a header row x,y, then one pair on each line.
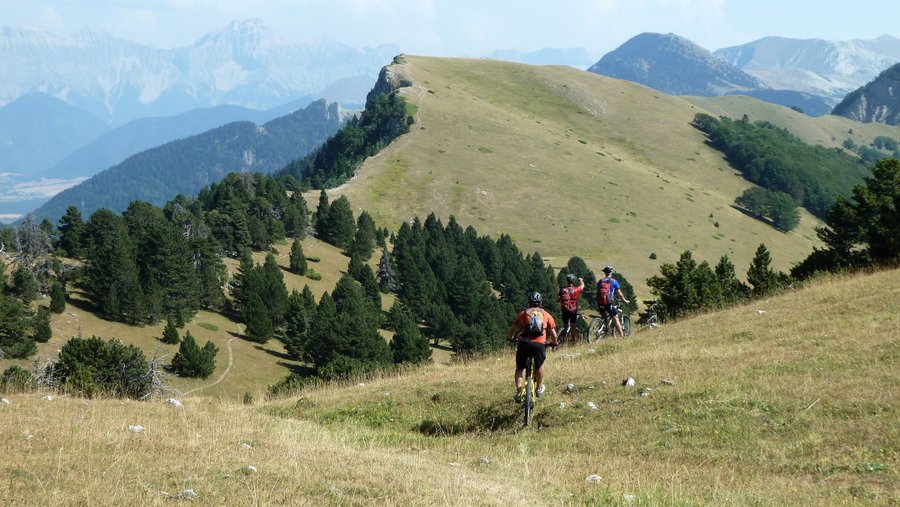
x,y
787,401
568,163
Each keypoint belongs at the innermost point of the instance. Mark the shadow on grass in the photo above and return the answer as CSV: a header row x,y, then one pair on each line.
x,y
298,369
279,355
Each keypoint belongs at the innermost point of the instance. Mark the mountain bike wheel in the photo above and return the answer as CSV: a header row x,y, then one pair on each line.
x,y
529,391
596,330
563,335
626,324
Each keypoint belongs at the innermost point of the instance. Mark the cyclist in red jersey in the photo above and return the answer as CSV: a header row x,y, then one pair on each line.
x,y
568,300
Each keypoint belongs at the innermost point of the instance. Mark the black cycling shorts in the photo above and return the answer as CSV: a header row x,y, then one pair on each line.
x,y
534,349
568,317
610,309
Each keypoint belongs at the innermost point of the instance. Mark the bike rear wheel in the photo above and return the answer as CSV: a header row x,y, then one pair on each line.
x,y
596,330
626,324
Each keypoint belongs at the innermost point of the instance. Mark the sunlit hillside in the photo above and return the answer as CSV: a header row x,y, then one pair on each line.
x,y
572,163
791,400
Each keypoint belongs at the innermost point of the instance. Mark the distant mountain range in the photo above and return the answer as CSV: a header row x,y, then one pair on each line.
x,y
810,75
244,64
830,69
878,101
187,165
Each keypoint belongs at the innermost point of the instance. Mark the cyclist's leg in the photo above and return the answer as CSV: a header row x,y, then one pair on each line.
x,y
521,356
540,354
614,311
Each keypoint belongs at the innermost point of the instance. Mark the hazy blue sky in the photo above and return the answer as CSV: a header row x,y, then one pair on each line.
x,y
467,27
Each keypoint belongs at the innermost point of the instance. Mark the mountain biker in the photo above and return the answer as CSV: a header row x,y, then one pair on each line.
x,y
532,342
568,299
607,288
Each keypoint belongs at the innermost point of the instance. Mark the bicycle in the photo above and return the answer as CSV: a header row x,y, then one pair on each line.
x,y
528,399
573,335
651,317
605,325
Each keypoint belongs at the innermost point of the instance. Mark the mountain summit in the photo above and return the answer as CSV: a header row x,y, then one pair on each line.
x,y
674,65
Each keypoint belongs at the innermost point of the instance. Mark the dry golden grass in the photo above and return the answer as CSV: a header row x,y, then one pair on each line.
x,y
793,405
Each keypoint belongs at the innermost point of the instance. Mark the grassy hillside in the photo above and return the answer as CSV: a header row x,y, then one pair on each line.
x,y
569,163
783,402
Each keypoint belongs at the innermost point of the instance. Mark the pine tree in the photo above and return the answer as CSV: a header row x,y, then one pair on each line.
x,y
296,318
733,290
33,241
322,212
111,273
71,230
274,292
41,330
170,333
762,278
341,225
192,361
408,345
257,320
14,322
211,273
387,275
24,284
363,243
297,259
57,298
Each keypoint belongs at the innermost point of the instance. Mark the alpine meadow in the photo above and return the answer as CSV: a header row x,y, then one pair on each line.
x,y
464,185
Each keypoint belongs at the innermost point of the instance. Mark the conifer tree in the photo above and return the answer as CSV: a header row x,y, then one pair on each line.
x,y
192,361
24,284
211,273
33,241
111,273
363,243
341,225
257,320
297,259
274,292
296,324
14,323
408,345
387,275
322,212
763,280
42,332
733,290
57,298
71,230
170,333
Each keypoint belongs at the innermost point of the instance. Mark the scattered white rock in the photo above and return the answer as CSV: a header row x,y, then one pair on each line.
x,y
629,382
569,356
4,401
386,395
454,464
594,478
361,384
562,406
47,398
668,382
245,445
174,402
628,497
484,461
136,428
590,351
760,312
250,469
570,388
591,405
188,494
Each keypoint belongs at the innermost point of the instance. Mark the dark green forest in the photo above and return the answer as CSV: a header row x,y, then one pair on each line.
x,y
778,161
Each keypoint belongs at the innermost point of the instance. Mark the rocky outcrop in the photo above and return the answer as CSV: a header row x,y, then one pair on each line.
x,y
876,102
